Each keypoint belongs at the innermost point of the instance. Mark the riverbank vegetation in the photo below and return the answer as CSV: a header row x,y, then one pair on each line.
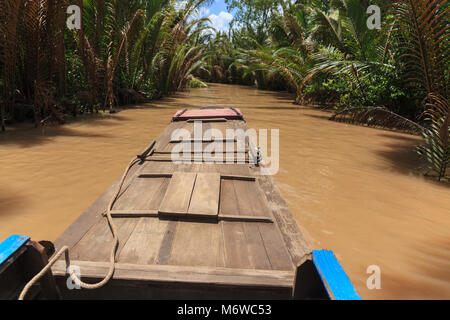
x,y
324,52
395,76
124,52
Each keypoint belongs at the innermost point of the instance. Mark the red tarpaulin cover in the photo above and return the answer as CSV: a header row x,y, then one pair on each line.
x,y
231,114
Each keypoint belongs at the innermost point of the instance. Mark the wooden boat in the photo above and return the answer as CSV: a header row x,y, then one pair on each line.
x,y
192,230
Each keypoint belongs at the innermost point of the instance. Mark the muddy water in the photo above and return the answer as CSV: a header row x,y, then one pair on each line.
x,y
351,189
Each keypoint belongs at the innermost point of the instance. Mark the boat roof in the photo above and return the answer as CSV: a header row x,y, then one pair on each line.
x,y
211,222
208,113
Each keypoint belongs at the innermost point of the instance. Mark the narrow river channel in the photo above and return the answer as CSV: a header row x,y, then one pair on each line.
x,y
352,189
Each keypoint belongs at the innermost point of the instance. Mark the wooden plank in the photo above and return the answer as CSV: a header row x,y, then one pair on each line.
x,y
207,120
155,175
178,193
128,197
256,250
96,244
242,218
183,274
155,196
190,140
226,158
144,243
197,244
165,250
205,196
228,199
222,176
141,193
222,127
235,246
250,199
293,239
238,177
134,213
244,196
276,251
221,217
212,149
158,168
166,135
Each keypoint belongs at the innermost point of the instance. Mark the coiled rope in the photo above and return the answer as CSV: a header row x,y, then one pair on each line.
x,y
65,249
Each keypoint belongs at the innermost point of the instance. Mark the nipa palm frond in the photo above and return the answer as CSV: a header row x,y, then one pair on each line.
x,y
436,147
377,117
422,32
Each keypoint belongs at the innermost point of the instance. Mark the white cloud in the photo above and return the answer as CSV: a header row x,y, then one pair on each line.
x,y
203,12
222,21
200,13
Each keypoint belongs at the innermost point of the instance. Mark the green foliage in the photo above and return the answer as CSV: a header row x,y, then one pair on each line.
x,y
436,150
324,51
436,147
196,83
124,50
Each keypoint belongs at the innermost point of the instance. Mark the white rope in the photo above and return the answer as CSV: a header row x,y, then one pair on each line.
x,y
65,249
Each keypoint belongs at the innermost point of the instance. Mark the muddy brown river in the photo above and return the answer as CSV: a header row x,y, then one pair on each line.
x,y
352,189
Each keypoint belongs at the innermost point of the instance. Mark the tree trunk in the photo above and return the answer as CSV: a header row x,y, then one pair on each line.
x,y
2,117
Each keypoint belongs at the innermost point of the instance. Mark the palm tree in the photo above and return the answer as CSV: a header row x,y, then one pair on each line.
x,y
354,50
422,39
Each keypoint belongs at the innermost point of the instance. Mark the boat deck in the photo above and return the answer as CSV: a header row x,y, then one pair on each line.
x,y
189,230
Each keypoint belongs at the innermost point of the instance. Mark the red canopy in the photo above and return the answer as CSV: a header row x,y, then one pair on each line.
x,y
229,113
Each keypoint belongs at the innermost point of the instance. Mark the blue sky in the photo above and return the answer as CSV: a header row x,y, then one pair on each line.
x,y
218,14
218,6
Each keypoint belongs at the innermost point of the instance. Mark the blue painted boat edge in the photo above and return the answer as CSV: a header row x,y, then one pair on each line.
x,y
334,278
10,246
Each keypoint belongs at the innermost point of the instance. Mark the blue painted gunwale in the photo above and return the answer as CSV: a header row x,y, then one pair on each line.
x,y
10,246
334,278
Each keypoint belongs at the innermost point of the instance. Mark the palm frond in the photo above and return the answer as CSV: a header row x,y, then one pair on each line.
x,y
377,117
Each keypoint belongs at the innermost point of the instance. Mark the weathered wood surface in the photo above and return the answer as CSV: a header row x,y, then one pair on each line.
x,y
209,146
178,194
216,275
257,233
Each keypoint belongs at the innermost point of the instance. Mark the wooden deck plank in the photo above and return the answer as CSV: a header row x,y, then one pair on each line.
x,y
183,274
205,196
250,201
220,127
203,140
212,147
134,213
144,244
244,197
216,159
292,236
155,195
197,244
256,249
96,244
137,193
165,250
276,251
167,135
228,199
178,193
235,246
